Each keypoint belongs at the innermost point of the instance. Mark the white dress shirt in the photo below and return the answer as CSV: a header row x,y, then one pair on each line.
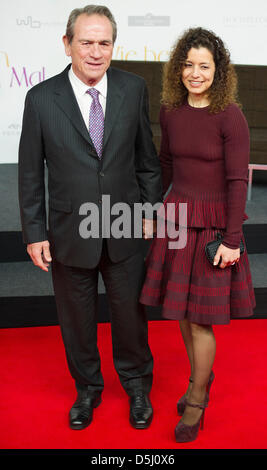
x,y
84,99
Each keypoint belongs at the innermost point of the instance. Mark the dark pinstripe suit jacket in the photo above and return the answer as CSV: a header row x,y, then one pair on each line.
x,y
54,133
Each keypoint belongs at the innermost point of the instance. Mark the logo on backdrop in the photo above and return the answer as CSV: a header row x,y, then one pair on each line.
x,y
32,23
24,77
245,21
149,20
147,54
29,22
19,76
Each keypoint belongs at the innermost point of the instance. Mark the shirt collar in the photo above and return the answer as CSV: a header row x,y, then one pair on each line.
x,y
81,87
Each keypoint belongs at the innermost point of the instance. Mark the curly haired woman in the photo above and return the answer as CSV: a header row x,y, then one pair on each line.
x,y
204,154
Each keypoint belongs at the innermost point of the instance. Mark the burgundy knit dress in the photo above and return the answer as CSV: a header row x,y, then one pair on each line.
x,y
205,157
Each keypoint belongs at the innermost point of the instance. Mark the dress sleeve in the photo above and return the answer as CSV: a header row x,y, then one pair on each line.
x,y
236,155
165,154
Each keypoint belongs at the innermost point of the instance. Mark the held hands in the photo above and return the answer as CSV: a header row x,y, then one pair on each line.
x,y
40,254
149,227
228,256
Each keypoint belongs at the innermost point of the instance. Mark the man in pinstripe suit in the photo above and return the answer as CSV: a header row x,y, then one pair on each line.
x,y
56,132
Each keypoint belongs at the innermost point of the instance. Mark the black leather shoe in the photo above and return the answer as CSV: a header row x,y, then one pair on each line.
x,y
141,412
81,414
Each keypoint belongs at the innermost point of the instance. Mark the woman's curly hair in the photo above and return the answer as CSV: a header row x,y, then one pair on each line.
x,y
223,90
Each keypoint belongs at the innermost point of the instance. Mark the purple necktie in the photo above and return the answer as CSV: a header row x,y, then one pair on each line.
x,y
96,121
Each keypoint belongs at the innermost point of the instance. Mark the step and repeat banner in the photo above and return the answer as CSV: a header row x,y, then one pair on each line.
x,y
31,48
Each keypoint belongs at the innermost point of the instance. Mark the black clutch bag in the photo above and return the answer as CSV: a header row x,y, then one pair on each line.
x,y
212,247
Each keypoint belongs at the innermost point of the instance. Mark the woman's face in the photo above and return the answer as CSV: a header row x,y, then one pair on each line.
x,y
198,72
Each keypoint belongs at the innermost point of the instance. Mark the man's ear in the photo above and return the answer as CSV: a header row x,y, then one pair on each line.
x,y
66,45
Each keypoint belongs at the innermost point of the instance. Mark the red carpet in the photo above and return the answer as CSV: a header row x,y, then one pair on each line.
x,y
37,392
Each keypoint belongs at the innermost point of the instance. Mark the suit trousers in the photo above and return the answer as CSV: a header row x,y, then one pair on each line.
x,y
76,294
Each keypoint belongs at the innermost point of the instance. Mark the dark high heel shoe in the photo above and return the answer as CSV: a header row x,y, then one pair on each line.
x,y
188,433
182,402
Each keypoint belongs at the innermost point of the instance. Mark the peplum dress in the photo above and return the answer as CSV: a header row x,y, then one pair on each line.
x,y
204,158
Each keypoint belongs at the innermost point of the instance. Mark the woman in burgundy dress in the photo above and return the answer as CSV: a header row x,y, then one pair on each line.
x,y
204,154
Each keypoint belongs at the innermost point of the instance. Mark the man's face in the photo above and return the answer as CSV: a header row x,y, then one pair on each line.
x,y
91,47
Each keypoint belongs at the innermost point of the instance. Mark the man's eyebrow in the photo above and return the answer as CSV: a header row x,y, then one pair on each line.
x,y
91,40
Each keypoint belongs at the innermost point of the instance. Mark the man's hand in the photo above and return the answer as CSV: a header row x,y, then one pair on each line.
x,y
40,254
229,256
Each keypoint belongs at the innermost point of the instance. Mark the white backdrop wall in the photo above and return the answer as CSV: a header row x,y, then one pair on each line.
x,y
31,48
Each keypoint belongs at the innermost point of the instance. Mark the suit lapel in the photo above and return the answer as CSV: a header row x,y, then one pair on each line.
x,y
115,96
65,99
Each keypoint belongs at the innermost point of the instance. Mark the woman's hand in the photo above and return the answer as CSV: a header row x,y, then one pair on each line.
x,y
229,256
